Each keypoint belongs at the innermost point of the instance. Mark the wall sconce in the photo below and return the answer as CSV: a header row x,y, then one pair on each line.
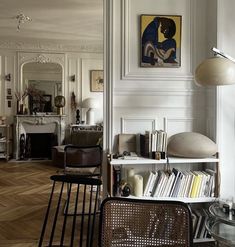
x,y
72,78
8,77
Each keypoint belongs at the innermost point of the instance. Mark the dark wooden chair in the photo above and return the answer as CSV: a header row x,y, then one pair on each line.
x,y
81,194
83,161
138,223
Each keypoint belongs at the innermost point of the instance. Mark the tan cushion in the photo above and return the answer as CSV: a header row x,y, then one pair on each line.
x,y
191,145
82,171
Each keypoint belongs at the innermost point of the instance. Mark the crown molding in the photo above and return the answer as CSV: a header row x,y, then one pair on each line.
x,y
52,46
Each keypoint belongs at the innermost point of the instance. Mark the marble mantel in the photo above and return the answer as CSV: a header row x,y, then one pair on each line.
x,y
42,123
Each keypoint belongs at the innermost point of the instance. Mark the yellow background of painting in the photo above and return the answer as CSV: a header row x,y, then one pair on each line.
x,y
146,19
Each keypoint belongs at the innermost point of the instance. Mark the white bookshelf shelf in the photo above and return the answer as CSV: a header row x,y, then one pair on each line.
x,y
172,160
181,199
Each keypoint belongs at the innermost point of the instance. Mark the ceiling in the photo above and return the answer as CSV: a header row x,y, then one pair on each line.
x,y
68,21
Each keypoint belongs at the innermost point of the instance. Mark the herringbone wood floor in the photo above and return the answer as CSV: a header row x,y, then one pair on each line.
x,y
24,194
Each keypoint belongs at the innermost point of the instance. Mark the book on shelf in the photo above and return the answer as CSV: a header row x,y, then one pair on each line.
x,y
199,222
153,144
150,183
116,180
170,181
158,183
176,172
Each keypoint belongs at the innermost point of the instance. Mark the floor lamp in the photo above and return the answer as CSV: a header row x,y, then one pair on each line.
x,y
216,71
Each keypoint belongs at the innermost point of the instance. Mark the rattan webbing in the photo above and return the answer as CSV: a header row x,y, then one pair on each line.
x,y
145,223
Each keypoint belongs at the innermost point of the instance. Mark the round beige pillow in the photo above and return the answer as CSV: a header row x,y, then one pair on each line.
x,y
191,145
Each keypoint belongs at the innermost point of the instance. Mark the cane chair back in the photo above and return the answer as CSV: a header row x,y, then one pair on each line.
x,y
138,223
60,229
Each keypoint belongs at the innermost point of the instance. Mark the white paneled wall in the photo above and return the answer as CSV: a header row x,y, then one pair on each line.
x,y
156,93
8,65
226,103
74,65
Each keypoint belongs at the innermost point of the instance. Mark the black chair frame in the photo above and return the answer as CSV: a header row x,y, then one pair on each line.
x,y
90,201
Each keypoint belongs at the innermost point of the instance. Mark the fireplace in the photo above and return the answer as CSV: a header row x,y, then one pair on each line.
x,y
38,145
35,135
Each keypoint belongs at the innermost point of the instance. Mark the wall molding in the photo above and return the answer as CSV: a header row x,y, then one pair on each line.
x,y
156,91
126,120
36,45
183,120
126,73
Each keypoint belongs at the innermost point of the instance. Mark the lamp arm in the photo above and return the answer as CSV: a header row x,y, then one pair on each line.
x,y
217,51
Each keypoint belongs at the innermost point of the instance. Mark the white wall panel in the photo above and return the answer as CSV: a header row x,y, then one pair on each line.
x,y
133,125
87,66
226,103
177,125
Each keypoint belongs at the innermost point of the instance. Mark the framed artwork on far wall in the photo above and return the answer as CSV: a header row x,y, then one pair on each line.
x,y
160,41
97,81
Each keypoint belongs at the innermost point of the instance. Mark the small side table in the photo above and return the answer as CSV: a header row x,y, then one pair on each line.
x,y
221,226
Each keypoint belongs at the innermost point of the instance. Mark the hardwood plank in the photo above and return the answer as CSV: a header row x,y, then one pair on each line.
x,y
24,193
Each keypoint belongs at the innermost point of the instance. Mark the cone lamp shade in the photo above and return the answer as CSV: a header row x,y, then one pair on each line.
x,y
92,104
215,71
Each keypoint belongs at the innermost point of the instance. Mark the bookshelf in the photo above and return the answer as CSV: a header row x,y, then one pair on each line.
x,y
140,161
153,165
5,141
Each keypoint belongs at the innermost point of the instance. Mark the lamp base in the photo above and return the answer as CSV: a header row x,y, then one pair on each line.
x,y
59,110
90,117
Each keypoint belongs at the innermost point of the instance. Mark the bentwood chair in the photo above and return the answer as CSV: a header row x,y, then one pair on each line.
x,y
83,161
81,194
138,223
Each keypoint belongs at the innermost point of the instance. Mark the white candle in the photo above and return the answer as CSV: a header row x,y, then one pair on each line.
x,y
130,176
138,185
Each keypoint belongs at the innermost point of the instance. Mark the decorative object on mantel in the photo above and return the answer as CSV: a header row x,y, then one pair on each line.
x,y
191,145
20,97
77,116
216,71
60,103
73,102
21,19
92,104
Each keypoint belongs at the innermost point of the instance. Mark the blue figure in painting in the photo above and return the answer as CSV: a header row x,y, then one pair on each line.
x,y
154,51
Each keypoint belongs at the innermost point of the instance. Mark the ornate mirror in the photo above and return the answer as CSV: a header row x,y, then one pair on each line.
x,y
42,75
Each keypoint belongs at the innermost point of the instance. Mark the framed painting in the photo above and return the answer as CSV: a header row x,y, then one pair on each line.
x,y
160,40
97,80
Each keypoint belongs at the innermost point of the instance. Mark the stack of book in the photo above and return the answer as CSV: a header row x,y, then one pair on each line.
x,y
190,184
153,144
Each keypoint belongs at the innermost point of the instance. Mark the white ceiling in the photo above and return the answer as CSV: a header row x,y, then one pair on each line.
x,y
68,21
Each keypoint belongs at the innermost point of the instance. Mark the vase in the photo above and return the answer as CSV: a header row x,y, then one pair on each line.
x,y
20,107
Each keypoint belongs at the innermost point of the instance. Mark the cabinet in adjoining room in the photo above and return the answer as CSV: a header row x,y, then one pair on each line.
x,y
5,141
